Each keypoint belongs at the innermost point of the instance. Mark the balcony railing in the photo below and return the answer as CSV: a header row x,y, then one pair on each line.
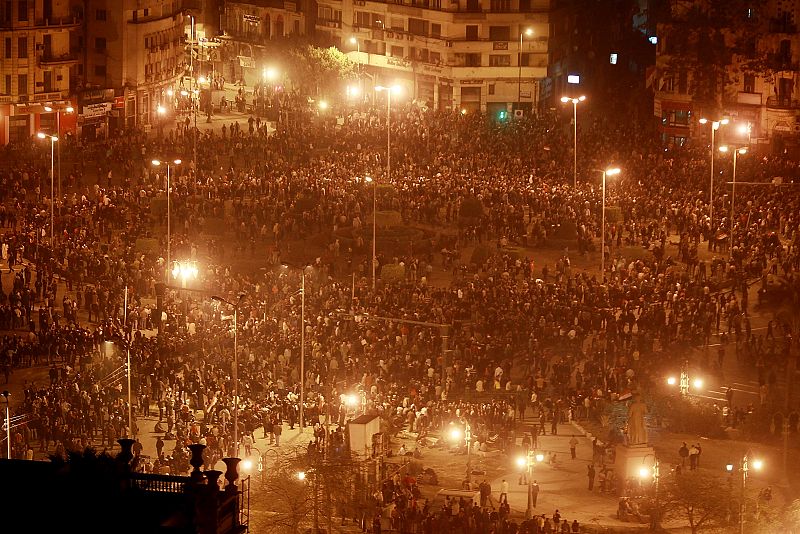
x,y
62,59
782,102
159,483
52,22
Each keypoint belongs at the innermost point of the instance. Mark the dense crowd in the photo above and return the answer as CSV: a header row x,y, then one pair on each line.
x,y
522,336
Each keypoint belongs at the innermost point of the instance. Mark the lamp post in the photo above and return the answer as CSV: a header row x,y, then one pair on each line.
x,y
128,363
744,469
606,172
526,462
370,180
53,139
158,163
715,125
185,270
68,109
736,153
456,434
355,41
575,102
235,373
646,472
7,395
389,90
528,32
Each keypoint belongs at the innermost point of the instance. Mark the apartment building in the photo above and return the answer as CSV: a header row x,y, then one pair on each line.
x,y
487,55
759,86
134,54
39,67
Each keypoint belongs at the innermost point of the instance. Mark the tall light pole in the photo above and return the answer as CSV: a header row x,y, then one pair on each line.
x,y
654,472
369,179
158,163
389,90
457,435
302,345
527,462
235,371
53,139
355,41
606,172
128,365
736,153
68,109
7,395
744,469
715,125
575,101
528,32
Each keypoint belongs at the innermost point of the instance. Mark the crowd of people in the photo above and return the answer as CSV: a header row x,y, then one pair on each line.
x,y
481,198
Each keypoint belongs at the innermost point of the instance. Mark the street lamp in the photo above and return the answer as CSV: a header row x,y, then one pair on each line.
x,y
575,101
7,395
158,163
235,373
606,172
457,435
186,270
68,109
323,105
715,125
654,472
53,139
354,41
528,32
736,153
746,464
527,462
370,180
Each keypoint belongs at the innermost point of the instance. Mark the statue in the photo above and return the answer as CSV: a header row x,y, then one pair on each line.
x,y
637,429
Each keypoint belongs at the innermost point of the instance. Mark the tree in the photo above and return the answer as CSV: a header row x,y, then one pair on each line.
x,y
324,69
704,501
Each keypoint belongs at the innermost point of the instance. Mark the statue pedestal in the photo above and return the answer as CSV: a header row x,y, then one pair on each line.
x,y
629,461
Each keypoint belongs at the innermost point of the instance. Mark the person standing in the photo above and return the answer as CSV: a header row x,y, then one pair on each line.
x,y
590,473
277,429
503,492
573,445
534,493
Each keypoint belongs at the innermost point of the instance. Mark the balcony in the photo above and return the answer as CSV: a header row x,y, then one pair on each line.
x,y
66,22
779,102
62,59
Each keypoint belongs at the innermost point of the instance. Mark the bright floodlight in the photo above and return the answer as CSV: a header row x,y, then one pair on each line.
x,y
323,105
644,472
724,121
48,109
69,109
353,90
742,150
529,32
723,148
743,129
540,457
703,121
582,98
758,464
351,400
698,383
41,135
463,111
353,40
161,110
522,461
270,73
368,179
612,171
156,162
566,99
184,93
671,381
170,92
456,434
301,475
247,465
202,79
729,468
177,162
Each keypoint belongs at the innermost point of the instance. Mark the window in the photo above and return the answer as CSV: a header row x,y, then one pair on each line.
x,y
749,83
22,11
397,51
472,33
7,47
22,84
499,33
436,30
398,23
683,82
435,58
363,18
500,6
8,84
491,88
472,60
100,14
496,60
99,44
22,47
418,27
99,70
676,118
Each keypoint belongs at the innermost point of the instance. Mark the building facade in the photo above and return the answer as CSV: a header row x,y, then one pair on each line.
x,y
39,67
134,55
759,86
474,55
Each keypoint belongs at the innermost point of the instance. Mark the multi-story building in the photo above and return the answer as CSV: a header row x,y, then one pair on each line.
x,y
38,68
250,25
757,88
489,55
134,54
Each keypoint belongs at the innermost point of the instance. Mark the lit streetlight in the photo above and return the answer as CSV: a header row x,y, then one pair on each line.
x,y
606,172
653,472
168,164
575,101
527,462
457,435
53,139
323,105
526,32
736,153
747,463
185,271
715,125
